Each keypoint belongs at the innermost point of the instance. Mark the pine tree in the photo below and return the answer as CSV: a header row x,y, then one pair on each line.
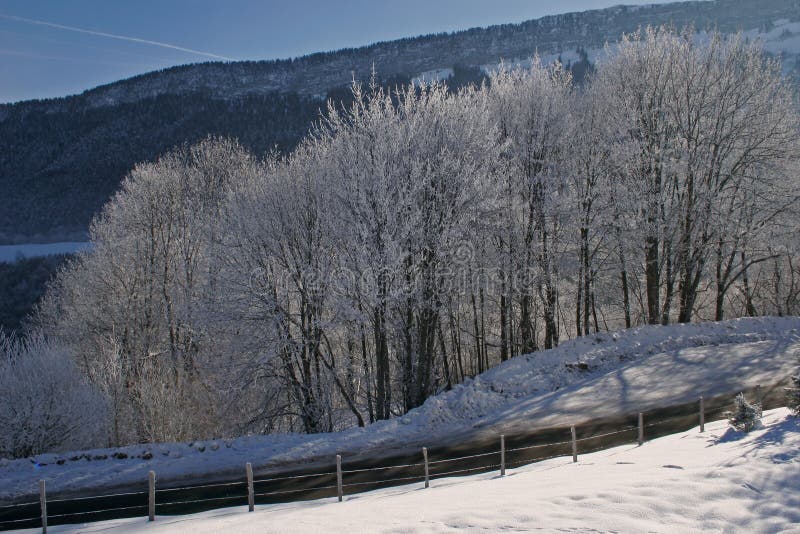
x,y
746,416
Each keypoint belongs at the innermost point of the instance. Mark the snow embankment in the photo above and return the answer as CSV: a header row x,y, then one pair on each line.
x,y
601,375
717,481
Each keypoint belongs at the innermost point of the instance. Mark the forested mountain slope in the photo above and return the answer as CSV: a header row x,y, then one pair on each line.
x,y
61,159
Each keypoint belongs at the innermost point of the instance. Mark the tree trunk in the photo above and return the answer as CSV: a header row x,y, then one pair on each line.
x,y
503,325
527,343
652,280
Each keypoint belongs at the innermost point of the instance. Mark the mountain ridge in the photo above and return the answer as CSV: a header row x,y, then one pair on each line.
x,y
314,74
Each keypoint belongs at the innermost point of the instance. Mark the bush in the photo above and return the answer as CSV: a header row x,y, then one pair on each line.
x,y
46,404
745,416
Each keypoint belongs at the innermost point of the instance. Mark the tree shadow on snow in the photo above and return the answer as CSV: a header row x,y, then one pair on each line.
x,y
730,435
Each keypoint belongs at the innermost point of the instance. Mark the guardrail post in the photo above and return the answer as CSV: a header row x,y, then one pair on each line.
x,y
251,501
425,460
641,429
151,496
702,414
43,504
502,455
574,444
339,476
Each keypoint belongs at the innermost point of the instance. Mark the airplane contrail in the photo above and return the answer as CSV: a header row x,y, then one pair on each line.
x,y
92,47
115,36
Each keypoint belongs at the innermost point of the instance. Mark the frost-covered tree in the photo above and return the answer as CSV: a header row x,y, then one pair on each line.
x,y
278,261
635,82
418,236
711,128
414,175
745,416
46,403
531,108
592,207
133,310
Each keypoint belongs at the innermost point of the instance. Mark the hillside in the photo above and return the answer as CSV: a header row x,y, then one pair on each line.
x,y
603,375
61,159
717,481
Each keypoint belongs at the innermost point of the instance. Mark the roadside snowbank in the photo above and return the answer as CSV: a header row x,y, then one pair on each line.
x,y
595,376
717,481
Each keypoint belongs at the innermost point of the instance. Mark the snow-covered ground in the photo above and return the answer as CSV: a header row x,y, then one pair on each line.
x,y
782,40
438,75
624,372
717,481
597,376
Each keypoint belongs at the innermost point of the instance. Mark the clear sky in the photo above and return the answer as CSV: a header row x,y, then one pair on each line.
x,y
59,47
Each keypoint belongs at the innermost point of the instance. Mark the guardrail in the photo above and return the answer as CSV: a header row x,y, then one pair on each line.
x,y
252,490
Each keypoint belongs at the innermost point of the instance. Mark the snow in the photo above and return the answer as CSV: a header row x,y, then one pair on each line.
x,y
594,55
720,480
627,371
782,40
437,75
10,253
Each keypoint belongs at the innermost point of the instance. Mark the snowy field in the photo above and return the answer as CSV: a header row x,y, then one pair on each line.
x,y
717,481
624,372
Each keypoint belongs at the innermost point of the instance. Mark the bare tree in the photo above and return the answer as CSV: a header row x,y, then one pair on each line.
x,y
45,403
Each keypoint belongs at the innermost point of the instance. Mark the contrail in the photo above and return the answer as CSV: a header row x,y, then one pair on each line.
x,y
91,47
114,36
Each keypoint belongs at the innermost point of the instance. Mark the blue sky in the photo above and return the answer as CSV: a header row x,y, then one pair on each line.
x,y
68,54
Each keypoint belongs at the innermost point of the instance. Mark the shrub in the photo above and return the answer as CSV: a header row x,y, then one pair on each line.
x,y
46,404
745,416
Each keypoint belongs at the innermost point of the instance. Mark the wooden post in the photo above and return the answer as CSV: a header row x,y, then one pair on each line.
x,y
641,429
702,414
151,490
339,476
425,459
502,455
43,504
251,500
574,444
